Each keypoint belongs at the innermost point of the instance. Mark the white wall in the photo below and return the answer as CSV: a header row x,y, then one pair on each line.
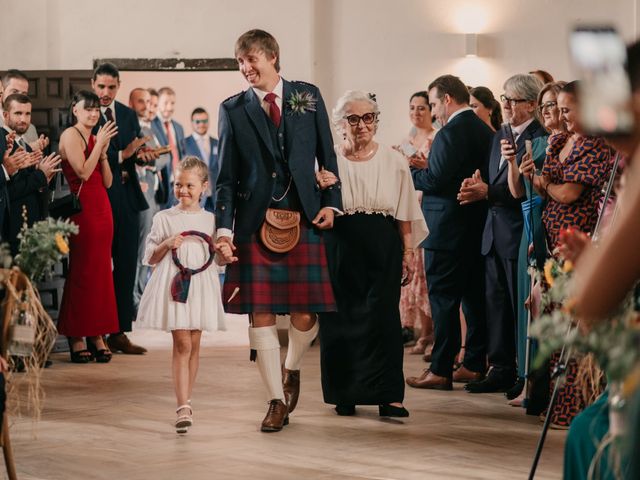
x,y
390,47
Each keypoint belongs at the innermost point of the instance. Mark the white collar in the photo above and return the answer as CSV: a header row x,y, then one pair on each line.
x,y
199,137
517,131
454,114
277,90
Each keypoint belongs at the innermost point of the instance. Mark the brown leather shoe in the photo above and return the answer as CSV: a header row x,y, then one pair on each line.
x,y
121,343
276,418
291,387
464,375
430,380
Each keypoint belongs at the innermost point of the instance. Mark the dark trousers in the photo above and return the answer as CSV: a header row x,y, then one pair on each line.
x,y
124,251
501,280
454,277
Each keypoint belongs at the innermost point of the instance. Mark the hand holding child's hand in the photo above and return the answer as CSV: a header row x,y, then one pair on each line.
x,y
225,251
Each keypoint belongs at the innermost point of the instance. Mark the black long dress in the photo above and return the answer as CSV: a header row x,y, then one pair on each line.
x,y
361,344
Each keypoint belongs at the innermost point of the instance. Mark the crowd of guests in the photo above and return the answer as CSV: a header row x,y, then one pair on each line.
x,y
119,161
436,233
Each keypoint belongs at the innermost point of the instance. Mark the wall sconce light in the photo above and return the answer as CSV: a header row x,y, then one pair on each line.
x,y
471,44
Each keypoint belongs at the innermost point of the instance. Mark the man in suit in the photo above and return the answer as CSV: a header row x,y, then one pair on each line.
x,y
452,250
126,197
503,228
268,155
15,81
150,184
205,147
12,160
170,133
28,188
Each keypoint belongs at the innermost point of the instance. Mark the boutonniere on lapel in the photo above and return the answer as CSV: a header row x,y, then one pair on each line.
x,y
301,102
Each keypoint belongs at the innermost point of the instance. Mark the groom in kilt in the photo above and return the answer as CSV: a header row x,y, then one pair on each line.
x,y
273,136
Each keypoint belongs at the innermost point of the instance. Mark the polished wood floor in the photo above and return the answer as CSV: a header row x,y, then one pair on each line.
x,y
114,421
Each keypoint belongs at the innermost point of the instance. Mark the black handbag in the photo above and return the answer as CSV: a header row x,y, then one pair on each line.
x,y
65,207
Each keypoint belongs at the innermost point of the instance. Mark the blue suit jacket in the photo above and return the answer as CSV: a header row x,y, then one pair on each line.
x,y
458,149
129,193
190,147
161,134
247,174
503,227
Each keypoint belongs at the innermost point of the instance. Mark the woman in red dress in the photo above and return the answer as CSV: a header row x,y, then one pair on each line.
x,y
88,303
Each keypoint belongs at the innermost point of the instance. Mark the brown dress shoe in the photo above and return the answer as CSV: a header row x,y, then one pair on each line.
x,y
121,343
276,418
291,387
430,380
464,375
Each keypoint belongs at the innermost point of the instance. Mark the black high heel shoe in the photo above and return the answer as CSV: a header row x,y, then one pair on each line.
x,y
101,356
345,410
80,356
386,410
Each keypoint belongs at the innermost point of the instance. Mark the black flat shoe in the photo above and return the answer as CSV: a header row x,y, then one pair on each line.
x,y
387,410
80,356
345,410
516,390
101,356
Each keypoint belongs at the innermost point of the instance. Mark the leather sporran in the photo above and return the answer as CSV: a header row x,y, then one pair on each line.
x,y
65,207
280,231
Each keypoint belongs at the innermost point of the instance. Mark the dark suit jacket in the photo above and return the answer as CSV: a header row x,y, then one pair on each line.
x,y
129,192
247,157
503,228
27,189
458,149
190,147
4,192
161,134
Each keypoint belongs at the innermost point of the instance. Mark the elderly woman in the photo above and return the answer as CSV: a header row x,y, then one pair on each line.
x,y
369,252
533,232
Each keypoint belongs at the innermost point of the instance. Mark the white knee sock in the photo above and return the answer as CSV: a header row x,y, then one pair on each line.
x,y
265,341
299,343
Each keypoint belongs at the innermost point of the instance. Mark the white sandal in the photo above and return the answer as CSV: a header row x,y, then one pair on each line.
x,y
184,421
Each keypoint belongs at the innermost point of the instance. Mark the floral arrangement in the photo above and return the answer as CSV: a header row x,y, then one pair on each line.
x,y
42,246
301,102
615,342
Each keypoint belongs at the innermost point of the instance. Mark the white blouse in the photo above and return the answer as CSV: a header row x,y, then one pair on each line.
x,y
383,185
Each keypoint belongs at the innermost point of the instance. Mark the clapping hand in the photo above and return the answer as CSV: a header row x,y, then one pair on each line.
x,y
35,157
133,147
105,134
48,166
473,189
572,244
147,154
40,144
12,163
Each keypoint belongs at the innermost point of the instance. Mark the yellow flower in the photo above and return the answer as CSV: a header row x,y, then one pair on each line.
x,y
567,266
548,272
61,244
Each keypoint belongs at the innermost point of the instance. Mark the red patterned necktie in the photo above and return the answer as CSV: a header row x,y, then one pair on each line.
x,y
175,158
274,111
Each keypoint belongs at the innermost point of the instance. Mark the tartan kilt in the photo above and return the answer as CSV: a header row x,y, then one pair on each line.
x,y
268,282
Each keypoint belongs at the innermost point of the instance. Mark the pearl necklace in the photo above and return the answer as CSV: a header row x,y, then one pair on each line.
x,y
359,155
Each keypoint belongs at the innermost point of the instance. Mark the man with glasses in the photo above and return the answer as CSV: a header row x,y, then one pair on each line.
x,y
202,145
503,229
273,136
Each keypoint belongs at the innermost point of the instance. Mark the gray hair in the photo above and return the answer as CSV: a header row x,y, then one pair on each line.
x,y
343,102
524,86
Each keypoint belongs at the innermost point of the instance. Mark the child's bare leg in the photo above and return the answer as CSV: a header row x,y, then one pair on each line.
x,y
194,359
180,364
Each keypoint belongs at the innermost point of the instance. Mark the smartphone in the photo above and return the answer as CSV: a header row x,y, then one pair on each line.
x,y
528,147
507,134
408,149
600,56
